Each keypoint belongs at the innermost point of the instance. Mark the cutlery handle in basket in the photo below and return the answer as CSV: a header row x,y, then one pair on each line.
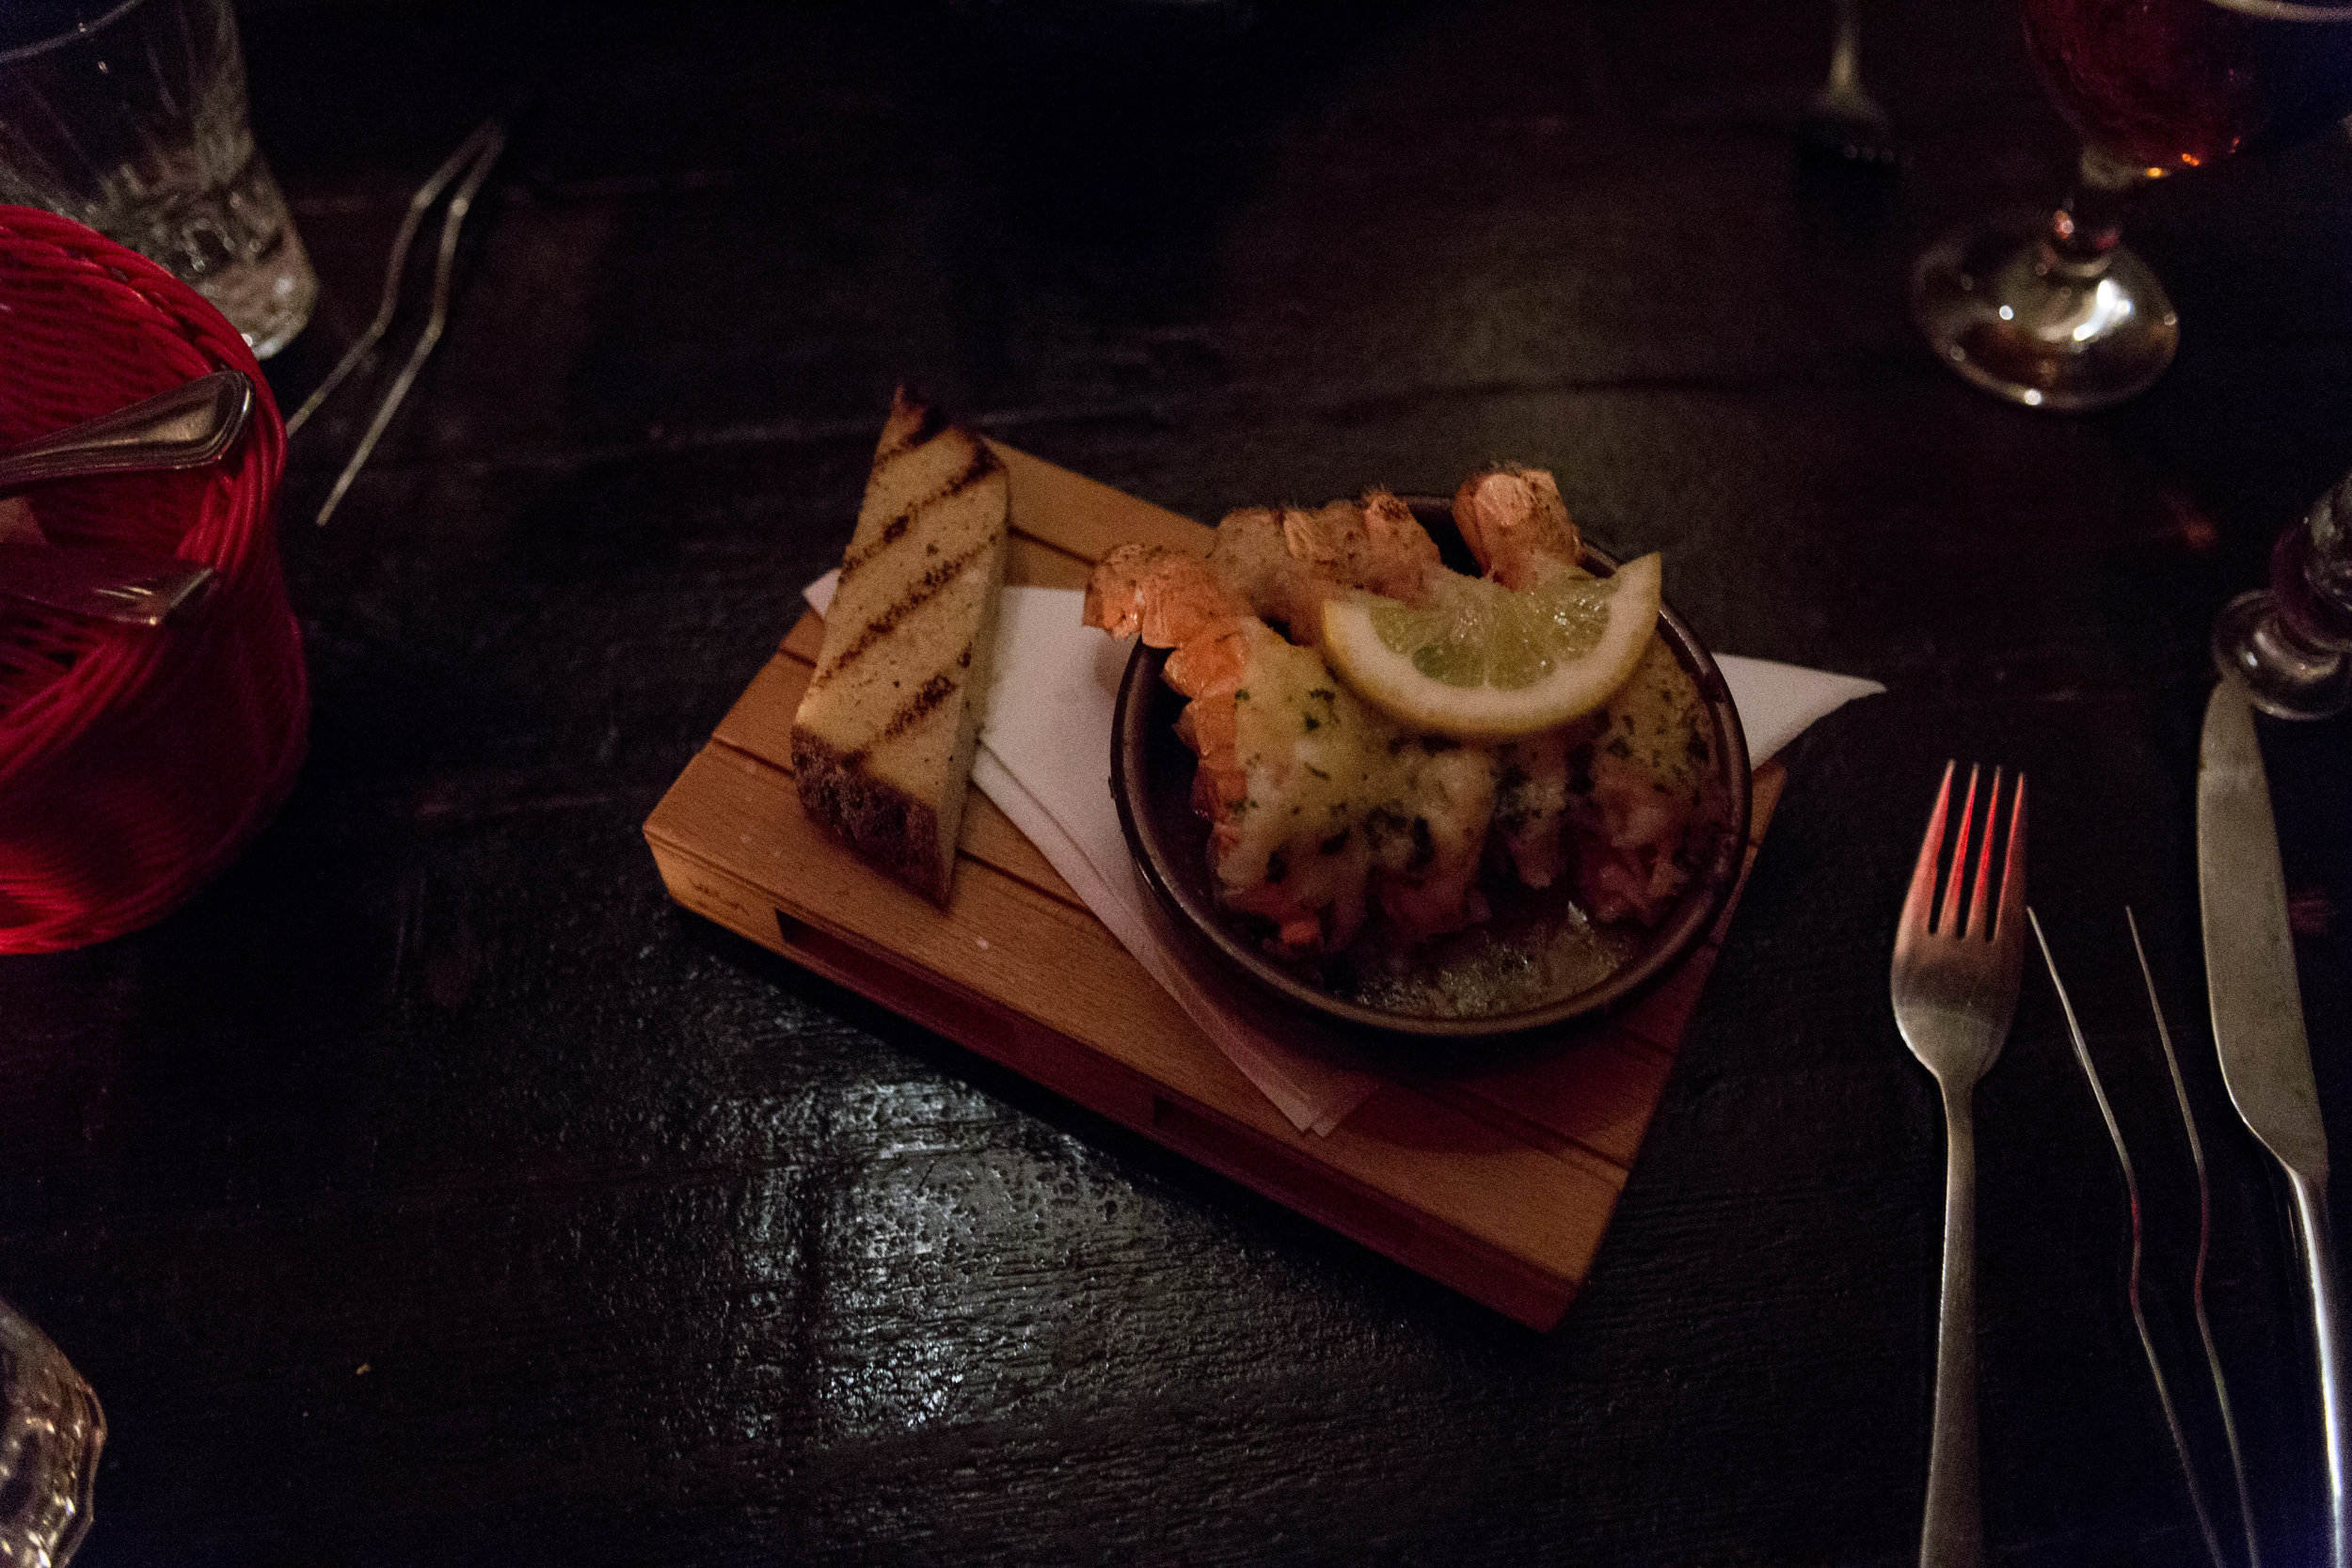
x,y
1952,1534
2315,1234
134,587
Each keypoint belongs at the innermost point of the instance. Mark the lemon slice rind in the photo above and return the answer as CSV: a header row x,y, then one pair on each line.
x,y
1389,681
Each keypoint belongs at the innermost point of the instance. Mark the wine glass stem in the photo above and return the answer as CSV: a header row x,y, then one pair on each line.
x,y
2288,644
2086,225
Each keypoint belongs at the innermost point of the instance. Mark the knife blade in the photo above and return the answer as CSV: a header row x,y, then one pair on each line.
x,y
2258,1031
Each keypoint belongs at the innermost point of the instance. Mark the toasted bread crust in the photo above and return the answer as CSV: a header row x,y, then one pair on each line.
x,y
879,820
884,739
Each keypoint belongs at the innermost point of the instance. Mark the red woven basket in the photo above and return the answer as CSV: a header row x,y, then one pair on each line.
x,y
134,764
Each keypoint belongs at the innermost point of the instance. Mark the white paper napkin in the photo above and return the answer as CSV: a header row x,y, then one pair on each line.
x,y
1044,760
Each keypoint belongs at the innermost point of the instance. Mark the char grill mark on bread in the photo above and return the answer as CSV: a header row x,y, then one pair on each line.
x,y
882,747
935,691
901,436
925,589
983,464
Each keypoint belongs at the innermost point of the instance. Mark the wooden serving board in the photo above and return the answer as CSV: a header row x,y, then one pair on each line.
x,y
1498,1184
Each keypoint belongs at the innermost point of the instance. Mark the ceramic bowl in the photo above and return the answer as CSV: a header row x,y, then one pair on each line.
x,y
1152,774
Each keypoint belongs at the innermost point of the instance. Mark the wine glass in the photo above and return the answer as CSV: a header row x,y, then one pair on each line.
x,y
2050,309
2291,644
51,1429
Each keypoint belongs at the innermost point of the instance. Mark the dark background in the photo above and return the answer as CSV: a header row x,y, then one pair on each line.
x,y
431,1190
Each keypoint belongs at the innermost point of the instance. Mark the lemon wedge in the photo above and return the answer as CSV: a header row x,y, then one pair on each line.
x,y
1481,662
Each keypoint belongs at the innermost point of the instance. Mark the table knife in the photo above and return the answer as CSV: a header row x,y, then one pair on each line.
x,y
2258,1030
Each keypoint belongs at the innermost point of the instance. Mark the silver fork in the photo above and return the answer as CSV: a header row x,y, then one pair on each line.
x,y
1955,989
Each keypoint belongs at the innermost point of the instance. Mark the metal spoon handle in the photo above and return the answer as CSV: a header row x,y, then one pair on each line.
x,y
183,428
186,427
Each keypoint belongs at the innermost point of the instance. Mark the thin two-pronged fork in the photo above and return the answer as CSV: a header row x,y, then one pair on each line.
x,y
2204,1236
1954,984
474,157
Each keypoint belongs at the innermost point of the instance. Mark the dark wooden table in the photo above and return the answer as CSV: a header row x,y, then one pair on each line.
x,y
431,1191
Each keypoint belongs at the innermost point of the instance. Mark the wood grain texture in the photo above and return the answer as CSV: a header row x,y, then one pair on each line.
x,y
1500,1186
658,1247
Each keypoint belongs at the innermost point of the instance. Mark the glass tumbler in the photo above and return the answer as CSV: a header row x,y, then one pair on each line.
x,y
51,1429
131,117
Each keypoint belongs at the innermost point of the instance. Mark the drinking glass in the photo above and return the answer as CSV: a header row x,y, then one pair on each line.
x,y
132,120
51,1429
2291,644
2050,309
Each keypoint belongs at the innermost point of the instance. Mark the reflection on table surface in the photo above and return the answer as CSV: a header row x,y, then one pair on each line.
x,y
431,1186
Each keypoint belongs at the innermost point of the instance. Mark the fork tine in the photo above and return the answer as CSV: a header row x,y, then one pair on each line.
x,y
2005,927
1919,903
1947,923
1979,927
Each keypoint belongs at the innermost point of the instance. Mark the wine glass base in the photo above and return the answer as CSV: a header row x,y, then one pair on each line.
x,y
2284,677
2005,314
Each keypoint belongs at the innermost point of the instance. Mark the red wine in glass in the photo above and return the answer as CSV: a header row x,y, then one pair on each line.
x,y
2168,85
2047,308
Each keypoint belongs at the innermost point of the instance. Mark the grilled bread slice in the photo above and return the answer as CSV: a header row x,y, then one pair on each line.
x,y
882,744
